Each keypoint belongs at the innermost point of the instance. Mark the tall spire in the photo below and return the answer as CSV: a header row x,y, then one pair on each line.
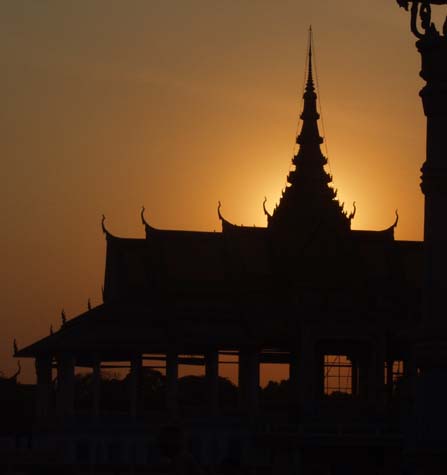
x,y
308,196
309,116
310,81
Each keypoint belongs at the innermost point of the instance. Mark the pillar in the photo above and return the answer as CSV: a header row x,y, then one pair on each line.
x,y
354,376
389,378
294,377
66,385
96,385
307,368
249,380
171,381
135,384
43,366
212,380
376,373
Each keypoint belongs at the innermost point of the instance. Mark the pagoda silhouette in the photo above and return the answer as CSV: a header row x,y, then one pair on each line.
x,y
338,306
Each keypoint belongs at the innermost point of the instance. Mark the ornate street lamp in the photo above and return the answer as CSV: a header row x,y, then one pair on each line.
x,y
427,430
422,9
432,45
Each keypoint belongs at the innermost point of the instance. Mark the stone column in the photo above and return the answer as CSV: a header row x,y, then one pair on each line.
x,y
171,382
135,380
43,389
66,385
389,378
96,385
249,380
294,378
379,356
212,380
376,373
307,369
355,376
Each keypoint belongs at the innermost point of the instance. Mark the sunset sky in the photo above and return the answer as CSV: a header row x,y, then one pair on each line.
x,y
175,104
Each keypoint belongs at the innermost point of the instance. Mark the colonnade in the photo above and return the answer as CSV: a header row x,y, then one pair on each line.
x,y
305,379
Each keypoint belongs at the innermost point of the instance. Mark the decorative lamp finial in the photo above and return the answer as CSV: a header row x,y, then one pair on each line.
x,y
422,9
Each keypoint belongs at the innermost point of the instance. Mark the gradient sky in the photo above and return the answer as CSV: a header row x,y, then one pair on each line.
x,y
175,104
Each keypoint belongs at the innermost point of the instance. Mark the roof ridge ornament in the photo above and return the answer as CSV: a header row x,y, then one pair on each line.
x,y
14,345
63,317
143,219
219,205
104,229
352,214
19,370
394,225
225,224
396,220
146,224
265,209
89,304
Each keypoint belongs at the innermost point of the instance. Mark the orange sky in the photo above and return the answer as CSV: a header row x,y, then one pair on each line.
x,y
176,104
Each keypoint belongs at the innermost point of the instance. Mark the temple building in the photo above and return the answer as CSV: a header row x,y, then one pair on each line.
x,y
338,306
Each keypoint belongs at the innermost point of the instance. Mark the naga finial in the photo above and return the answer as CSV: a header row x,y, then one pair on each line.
x,y
104,229
265,209
63,317
352,214
103,226
14,344
19,370
143,220
219,205
396,220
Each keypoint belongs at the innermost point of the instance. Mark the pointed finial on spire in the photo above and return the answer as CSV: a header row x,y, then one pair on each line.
x,y
310,81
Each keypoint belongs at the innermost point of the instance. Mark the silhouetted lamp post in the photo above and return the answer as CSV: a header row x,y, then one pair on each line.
x,y
430,411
